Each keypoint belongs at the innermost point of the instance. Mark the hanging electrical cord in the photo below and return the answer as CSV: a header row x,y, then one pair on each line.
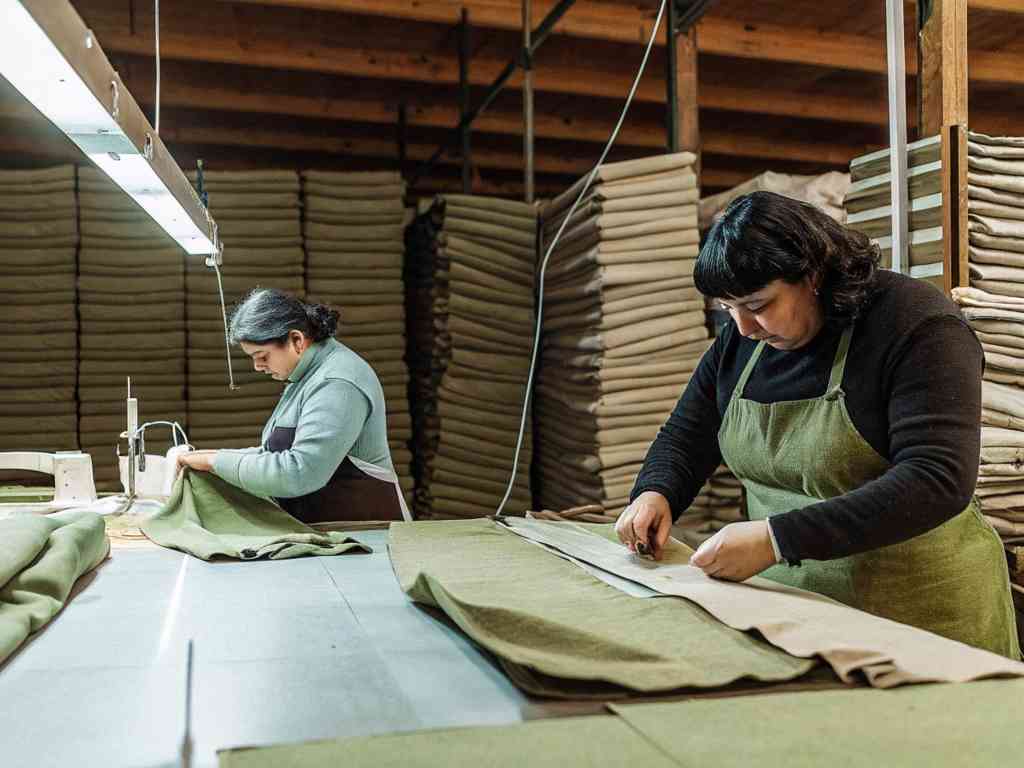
x,y
550,249
156,35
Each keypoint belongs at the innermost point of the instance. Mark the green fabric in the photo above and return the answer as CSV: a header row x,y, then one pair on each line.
x,y
951,580
586,742
206,516
558,631
41,558
919,726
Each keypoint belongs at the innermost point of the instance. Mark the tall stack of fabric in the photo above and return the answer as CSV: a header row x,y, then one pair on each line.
x,y
994,306
131,288
869,209
489,248
259,221
624,327
38,239
428,346
353,234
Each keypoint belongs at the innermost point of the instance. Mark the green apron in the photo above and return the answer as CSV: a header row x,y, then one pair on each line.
x,y
952,580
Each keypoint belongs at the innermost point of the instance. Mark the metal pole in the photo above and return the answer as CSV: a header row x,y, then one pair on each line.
x,y
540,34
527,103
897,133
467,160
672,79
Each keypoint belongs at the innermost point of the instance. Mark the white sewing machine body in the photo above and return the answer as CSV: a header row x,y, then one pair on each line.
x,y
73,483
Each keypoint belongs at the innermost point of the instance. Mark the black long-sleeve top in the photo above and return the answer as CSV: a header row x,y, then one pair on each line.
x,y
913,391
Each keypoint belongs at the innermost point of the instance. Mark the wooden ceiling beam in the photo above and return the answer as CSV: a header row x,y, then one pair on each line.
x,y
581,129
445,69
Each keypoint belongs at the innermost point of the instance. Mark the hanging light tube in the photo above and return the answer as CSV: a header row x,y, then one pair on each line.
x,y
50,56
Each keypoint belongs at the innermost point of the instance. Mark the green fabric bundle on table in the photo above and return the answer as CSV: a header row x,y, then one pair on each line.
x,y
586,742
41,558
920,726
558,631
206,516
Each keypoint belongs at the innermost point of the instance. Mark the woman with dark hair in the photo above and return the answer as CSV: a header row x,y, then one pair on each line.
x,y
847,400
325,451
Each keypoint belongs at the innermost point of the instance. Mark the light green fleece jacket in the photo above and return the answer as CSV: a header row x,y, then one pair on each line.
x,y
335,403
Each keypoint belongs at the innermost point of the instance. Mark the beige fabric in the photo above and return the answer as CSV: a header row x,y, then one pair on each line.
x,y
1000,181
825,192
985,195
1000,165
801,623
997,227
996,210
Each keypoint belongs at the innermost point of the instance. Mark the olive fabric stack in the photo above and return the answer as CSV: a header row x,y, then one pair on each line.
x,y
258,216
489,247
38,239
994,306
353,232
624,327
131,285
869,206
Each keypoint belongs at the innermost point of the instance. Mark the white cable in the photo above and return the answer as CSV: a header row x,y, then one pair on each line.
x,y
224,317
156,12
176,430
551,248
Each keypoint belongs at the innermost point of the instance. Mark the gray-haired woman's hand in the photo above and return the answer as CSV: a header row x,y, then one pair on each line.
x,y
648,520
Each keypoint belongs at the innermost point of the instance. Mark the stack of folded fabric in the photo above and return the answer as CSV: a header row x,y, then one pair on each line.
x,y
353,236
429,347
259,220
994,305
38,238
826,192
489,248
869,206
624,327
131,287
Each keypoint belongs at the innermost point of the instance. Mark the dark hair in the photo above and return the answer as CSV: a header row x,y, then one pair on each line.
x,y
267,315
763,236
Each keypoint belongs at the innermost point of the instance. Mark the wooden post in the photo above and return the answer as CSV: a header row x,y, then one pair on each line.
x,y
687,137
942,109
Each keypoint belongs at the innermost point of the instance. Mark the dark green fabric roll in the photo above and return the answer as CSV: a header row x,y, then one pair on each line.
x,y
206,516
558,631
41,558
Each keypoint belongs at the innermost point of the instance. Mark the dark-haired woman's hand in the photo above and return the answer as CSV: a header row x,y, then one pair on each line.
x,y
648,520
737,552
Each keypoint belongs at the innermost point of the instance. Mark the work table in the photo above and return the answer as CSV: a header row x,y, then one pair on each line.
x,y
285,651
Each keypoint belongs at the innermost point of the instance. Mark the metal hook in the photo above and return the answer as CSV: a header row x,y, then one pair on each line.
x,y
147,149
115,109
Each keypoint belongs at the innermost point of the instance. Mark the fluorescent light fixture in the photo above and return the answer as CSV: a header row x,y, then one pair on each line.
x,y
54,60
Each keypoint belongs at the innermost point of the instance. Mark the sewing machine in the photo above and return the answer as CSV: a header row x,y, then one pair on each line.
x,y
147,476
73,483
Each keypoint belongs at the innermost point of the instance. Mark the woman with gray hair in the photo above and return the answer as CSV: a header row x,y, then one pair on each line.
x,y
324,454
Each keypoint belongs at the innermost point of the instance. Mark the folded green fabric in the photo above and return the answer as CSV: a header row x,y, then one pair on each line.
x,y
206,516
586,742
558,631
41,558
919,726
